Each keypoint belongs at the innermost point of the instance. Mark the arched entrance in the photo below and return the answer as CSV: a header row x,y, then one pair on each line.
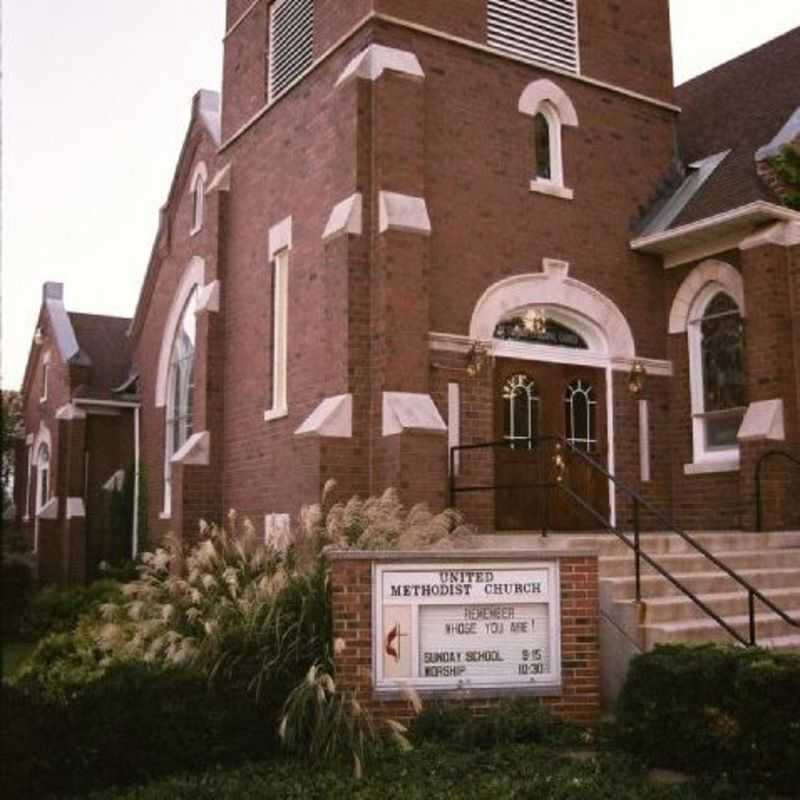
x,y
553,340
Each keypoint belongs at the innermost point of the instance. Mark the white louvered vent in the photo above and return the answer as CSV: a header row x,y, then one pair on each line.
x,y
291,42
542,30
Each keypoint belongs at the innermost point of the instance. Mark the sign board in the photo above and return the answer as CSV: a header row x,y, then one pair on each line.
x,y
467,625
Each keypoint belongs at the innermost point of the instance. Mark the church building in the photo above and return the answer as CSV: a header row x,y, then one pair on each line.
x,y
476,250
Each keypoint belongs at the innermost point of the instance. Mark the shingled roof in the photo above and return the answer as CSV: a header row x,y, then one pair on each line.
x,y
728,115
105,345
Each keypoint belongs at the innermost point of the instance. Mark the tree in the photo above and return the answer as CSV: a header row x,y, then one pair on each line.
x,y
13,429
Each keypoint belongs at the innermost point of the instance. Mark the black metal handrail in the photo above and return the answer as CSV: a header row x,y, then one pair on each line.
x,y
759,466
639,502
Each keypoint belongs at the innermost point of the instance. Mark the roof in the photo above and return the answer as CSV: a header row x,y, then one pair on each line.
x,y
104,344
729,114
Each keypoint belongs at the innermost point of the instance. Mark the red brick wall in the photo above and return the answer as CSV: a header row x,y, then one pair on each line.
x,y
579,700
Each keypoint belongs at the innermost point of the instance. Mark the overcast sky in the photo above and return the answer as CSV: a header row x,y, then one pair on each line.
x,y
95,105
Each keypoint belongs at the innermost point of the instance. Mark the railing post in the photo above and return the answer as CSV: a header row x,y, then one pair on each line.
x,y
751,602
637,549
451,480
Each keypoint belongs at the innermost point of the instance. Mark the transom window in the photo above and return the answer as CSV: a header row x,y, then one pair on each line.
x,y
580,406
716,353
180,389
520,410
548,331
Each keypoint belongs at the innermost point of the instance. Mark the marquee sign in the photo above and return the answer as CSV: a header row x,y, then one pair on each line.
x,y
467,626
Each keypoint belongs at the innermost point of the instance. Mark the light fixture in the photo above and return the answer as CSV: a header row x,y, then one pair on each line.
x,y
636,378
476,359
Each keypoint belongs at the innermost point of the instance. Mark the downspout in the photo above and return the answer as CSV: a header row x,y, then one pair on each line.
x,y
136,477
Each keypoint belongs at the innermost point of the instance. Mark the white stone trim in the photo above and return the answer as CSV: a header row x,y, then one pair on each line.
x,y
278,531
200,171
576,302
345,218
75,508
221,182
372,62
48,511
280,237
280,336
208,298
332,418
545,91
552,189
712,467
717,244
711,271
193,276
195,451
70,412
782,234
454,424
644,441
197,189
402,212
29,439
404,411
763,420
115,482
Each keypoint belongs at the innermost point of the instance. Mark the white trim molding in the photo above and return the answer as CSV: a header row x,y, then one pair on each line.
x,y
402,212
75,508
115,482
781,234
70,412
372,62
728,279
763,420
208,298
545,91
195,451
345,218
193,276
405,411
454,424
221,182
577,303
48,511
332,418
280,237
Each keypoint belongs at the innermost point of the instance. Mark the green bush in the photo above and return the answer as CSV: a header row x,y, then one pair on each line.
x,y
132,723
715,708
54,610
508,722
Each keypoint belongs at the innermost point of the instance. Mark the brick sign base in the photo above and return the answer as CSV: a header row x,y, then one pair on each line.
x,y
578,699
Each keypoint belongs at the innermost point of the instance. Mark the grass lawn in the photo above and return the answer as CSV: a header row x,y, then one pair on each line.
x,y
14,653
434,772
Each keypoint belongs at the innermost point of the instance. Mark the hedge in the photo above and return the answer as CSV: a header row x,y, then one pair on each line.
x,y
713,708
132,724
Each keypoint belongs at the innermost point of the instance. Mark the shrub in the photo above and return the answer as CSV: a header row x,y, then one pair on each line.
x,y
17,588
715,708
54,610
508,722
132,723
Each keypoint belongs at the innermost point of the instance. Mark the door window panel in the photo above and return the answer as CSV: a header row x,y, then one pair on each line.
x,y
520,410
580,406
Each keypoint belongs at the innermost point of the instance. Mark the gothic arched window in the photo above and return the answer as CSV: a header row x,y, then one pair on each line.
x,y
580,406
520,410
716,356
180,389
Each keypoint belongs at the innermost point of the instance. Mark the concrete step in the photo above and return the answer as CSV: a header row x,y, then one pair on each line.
x,y
789,643
710,582
737,560
679,607
768,626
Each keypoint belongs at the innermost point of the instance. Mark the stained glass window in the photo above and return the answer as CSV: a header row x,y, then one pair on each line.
x,y
520,410
541,132
580,407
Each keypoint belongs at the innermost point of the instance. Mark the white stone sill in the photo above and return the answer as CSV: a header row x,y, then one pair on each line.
x,y
710,467
552,189
165,515
195,231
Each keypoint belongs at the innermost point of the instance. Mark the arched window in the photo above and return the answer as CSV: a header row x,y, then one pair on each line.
x,y
551,110
180,390
520,410
716,361
580,406
198,200
43,477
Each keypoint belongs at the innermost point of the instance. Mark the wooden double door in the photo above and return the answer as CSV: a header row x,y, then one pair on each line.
x,y
533,400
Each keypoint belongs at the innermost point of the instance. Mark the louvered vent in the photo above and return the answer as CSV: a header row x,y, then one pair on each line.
x,y
291,42
542,30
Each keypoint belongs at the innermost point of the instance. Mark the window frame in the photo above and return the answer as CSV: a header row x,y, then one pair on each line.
x,y
280,336
702,453
171,419
198,204
45,381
